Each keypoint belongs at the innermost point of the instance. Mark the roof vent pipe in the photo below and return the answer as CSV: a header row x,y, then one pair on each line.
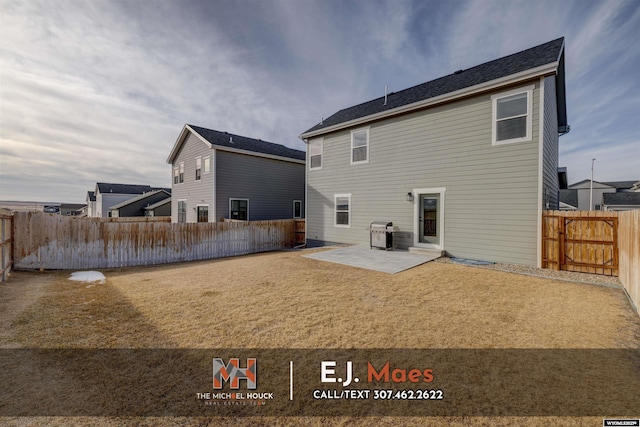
x,y
230,139
385,94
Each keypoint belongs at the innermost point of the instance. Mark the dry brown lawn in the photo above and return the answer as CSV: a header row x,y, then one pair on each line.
x,y
283,300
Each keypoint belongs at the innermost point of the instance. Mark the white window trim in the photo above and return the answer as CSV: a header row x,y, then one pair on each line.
x,y
416,214
294,209
181,173
238,198
335,210
186,210
366,130
320,142
494,110
204,162
176,176
196,170
208,211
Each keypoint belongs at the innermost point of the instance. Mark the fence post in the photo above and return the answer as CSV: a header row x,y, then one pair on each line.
x,y
561,237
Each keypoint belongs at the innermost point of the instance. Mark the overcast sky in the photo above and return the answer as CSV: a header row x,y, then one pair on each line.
x,y
98,90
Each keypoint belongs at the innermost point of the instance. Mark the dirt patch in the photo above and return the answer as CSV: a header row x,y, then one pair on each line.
x,y
283,300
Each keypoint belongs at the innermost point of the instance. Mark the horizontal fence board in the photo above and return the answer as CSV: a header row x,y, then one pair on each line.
x,y
46,241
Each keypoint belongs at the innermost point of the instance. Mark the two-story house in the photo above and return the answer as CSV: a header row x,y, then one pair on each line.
x,y
463,164
218,175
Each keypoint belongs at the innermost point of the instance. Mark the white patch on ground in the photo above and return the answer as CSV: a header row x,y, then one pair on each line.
x,y
93,277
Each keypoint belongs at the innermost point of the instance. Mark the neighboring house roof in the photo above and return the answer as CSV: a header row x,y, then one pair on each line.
x,y
237,143
567,207
621,199
91,195
621,185
578,185
140,197
569,197
158,204
547,55
104,187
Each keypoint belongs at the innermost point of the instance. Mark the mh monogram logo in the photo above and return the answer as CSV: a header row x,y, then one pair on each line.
x,y
233,373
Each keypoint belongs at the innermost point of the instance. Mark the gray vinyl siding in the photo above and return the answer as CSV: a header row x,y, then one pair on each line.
x,y
194,192
491,198
550,185
270,185
106,200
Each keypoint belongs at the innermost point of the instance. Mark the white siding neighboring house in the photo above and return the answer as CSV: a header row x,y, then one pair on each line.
x,y
218,175
600,189
463,164
91,203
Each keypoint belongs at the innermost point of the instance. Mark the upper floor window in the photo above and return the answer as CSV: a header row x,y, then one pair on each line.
x,y
198,168
207,164
512,116
176,175
360,146
181,174
297,208
315,154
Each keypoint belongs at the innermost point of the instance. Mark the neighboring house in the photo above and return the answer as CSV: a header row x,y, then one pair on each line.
x,y
464,164
108,195
622,201
599,189
71,209
568,200
91,203
137,206
162,208
218,175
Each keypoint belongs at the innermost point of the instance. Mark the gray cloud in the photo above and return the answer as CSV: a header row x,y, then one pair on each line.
x,y
99,90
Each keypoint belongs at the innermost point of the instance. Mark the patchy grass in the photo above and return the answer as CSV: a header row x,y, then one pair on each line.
x,y
283,300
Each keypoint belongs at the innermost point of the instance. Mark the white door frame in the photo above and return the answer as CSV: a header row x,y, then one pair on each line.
x,y
416,217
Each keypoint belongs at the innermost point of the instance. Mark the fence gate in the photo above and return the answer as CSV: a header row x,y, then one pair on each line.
x,y
585,242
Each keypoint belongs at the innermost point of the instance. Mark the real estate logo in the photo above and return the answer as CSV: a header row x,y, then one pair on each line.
x,y
233,373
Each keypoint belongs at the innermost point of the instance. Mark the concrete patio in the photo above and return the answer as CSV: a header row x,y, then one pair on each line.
x,y
375,259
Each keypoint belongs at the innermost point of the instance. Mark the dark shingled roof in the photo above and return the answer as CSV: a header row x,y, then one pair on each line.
x,y
104,187
248,144
625,198
92,196
534,57
569,197
621,185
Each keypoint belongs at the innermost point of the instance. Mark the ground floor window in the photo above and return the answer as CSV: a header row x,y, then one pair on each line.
x,y
203,213
239,209
297,208
182,211
342,210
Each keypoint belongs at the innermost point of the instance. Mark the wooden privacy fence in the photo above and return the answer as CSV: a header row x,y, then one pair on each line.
x,y
44,241
581,241
6,243
629,244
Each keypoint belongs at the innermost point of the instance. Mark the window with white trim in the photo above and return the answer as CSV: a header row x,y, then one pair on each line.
x,y
207,164
198,168
176,175
297,208
239,209
342,217
315,154
202,213
512,116
182,211
181,174
359,146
